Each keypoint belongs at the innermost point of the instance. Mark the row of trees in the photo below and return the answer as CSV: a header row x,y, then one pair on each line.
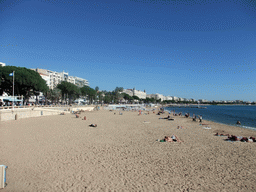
x,y
29,83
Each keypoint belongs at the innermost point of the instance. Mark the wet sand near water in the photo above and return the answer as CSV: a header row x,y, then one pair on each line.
x,y
62,153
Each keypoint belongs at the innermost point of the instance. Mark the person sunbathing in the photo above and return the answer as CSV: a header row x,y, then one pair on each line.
x,y
166,117
234,138
217,134
93,125
173,138
168,139
253,139
244,139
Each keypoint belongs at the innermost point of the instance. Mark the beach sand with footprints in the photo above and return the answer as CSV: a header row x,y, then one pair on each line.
x,y
123,153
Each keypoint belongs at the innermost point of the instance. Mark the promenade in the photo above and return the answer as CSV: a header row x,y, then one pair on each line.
x,y
20,112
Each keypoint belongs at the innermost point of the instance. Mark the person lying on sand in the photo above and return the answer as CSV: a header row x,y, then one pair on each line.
x,y
93,125
234,138
165,117
248,139
240,138
217,134
180,127
173,138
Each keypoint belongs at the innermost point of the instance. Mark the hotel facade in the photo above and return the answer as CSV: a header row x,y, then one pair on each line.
x,y
54,78
134,92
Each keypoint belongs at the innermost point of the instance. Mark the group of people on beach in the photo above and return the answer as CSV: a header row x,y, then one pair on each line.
x,y
200,117
237,138
173,138
187,115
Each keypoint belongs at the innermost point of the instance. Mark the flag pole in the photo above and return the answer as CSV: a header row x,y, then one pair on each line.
x,y
13,90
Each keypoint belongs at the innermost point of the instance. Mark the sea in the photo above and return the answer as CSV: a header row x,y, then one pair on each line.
x,y
224,114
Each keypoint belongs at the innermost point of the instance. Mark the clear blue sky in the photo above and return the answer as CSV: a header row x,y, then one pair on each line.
x,y
192,49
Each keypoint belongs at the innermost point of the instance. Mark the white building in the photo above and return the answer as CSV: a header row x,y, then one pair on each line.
x,y
134,92
80,82
46,78
203,100
54,78
2,64
140,94
157,96
128,91
175,98
168,98
151,96
180,99
160,96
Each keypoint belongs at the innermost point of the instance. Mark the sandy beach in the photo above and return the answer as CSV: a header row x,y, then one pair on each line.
x,y
62,153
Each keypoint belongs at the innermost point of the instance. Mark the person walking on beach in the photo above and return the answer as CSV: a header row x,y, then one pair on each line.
x,y
200,118
194,117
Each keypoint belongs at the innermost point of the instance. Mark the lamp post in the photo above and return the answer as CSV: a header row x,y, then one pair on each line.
x,y
13,90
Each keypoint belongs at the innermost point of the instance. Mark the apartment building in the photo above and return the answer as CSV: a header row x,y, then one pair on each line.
x,y
134,92
128,91
157,96
54,78
140,94
175,98
168,98
80,82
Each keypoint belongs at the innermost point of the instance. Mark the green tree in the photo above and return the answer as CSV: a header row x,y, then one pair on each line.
x,y
27,82
117,94
107,99
54,95
88,92
69,90
119,89
109,96
136,97
127,97
100,95
150,100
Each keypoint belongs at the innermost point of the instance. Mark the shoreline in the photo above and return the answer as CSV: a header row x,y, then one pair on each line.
x,y
216,121
225,128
